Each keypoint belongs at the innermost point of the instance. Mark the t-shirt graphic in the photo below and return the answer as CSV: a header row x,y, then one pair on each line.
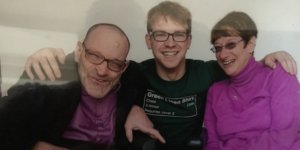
x,y
156,104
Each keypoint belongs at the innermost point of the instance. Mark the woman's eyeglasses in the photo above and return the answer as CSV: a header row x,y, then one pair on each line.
x,y
229,46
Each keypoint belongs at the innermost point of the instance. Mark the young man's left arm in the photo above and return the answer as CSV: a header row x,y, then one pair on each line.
x,y
285,59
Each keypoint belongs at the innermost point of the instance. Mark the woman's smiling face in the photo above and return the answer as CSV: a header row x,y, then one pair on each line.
x,y
232,54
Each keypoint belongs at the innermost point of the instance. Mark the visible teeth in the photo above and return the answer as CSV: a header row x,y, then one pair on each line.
x,y
169,53
227,62
100,80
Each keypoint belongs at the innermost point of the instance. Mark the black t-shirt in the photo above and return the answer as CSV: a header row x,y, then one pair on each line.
x,y
177,107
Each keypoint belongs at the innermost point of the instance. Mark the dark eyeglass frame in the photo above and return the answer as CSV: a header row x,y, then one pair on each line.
x,y
97,59
229,46
175,36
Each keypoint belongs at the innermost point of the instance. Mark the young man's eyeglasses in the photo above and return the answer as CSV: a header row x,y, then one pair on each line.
x,y
162,36
229,46
97,59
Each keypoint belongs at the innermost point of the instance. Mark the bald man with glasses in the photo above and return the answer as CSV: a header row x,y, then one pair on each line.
x,y
88,113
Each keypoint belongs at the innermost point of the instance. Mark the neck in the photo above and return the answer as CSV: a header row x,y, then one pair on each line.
x,y
171,74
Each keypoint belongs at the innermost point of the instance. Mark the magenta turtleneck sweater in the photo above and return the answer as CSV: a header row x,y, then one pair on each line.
x,y
259,109
94,119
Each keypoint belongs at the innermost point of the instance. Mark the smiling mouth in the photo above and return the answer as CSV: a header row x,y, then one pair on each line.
x,y
99,81
170,53
227,62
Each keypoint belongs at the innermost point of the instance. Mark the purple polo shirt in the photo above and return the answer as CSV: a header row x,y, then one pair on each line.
x,y
94,119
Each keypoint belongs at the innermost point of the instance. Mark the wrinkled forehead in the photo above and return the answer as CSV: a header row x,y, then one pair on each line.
x,y
107,41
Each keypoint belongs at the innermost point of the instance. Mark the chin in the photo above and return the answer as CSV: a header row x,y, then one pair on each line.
x,y
170,65
228,72
97,95
97,92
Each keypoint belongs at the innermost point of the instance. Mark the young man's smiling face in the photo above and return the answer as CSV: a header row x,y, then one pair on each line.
x,y
169,54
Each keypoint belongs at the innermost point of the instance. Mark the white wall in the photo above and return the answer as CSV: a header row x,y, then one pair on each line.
x,y
17,44
28,25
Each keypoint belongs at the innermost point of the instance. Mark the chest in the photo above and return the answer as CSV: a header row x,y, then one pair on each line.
x,y
242,109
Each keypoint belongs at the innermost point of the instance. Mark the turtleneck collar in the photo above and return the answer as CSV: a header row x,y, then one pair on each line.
x,y
245,75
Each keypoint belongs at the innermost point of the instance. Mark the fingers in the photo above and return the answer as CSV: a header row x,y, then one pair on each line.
x,y
285,59
51,67
137,120
128,131
271,63
153,133
288,63
292,65
295,70
60,55
28,65
44,63
37,68
47,63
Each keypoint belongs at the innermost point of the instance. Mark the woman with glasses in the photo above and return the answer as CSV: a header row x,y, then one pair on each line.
x,y
256,108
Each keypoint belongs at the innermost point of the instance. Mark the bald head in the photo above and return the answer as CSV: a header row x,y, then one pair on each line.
x,y
108,32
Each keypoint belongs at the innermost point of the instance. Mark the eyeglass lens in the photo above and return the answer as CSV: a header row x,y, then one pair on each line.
x,y
97,59
164,36
229,46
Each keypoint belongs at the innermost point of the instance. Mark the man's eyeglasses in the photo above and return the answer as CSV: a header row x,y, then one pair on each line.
x,y
97,59
162,36
229,46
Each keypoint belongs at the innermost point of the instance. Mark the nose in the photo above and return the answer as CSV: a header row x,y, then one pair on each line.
x,y
222,54
102,68
170,42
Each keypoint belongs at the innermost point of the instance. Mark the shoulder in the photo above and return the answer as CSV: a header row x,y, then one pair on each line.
x,y
195,62
36,91
132,66
279,75
25,88
24,97
218,87
196,65
220,84
216,91
209,68
148,63
132,73
211,64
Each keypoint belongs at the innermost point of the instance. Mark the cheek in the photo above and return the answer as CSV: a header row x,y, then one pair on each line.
x,y
115,77
217,55
84,69
156,45
186,44
155,49
242,55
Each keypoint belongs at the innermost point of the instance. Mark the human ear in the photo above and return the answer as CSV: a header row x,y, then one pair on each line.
x,y
148,41
251,45
77,51
189,40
